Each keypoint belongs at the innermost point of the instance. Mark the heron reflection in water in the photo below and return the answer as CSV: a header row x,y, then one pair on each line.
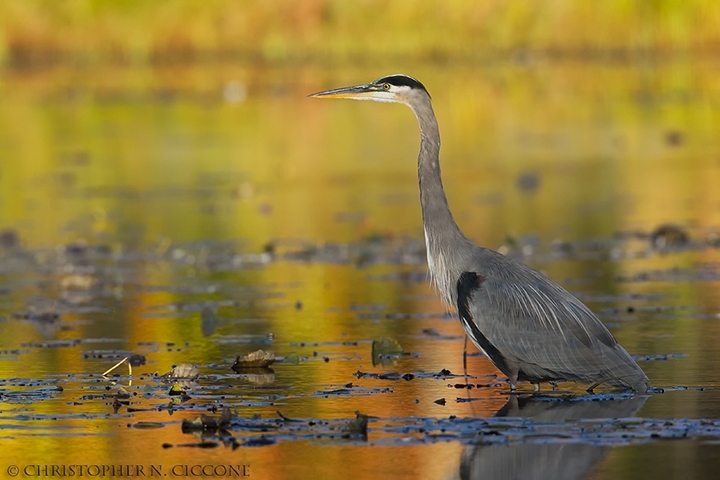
x,y
529,327
545,459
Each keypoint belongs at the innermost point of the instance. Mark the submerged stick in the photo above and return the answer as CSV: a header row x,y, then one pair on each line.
x,y
124,360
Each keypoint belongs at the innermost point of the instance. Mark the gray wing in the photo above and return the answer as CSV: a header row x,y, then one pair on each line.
x,y
547,332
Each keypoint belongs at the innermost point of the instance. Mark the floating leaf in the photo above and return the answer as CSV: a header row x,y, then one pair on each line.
x,y
387,345
183,370
258,359
176,389
358,427
385,350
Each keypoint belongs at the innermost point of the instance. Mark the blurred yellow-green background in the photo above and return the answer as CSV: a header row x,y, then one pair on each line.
x,y
336,31
112,99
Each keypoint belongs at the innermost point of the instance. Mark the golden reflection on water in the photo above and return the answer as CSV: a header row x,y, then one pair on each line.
x,y
145,158
114,148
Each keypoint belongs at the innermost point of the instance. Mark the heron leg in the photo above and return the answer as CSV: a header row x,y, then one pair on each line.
x,y
465,356
513,379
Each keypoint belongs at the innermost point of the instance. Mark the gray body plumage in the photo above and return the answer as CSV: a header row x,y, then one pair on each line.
x,y
541,332
529,327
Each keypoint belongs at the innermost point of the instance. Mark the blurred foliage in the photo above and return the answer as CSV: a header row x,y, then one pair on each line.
x,y
34,31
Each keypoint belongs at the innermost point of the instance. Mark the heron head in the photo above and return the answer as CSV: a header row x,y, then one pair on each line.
x,y
392,89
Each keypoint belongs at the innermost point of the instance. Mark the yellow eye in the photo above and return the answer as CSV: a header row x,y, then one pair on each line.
x,y
386,86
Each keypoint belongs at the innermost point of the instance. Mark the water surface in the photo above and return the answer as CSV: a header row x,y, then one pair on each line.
x,y
132,199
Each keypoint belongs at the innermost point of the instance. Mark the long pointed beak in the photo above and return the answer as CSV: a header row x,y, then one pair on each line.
x,y
358,92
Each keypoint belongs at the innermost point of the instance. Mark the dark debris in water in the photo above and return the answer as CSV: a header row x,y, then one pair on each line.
x,y
668,236
29,396
599,420
354,390
147,425
245,339
652,358
207,422
261,441
401,316
347,343
210,406
470,386
442,374
71,342
216,418
699,273
135,359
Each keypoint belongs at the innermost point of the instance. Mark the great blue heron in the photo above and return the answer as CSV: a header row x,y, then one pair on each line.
x,y
529,327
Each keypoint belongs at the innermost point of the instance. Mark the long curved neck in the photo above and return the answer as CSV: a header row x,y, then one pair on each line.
x,y
444,240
